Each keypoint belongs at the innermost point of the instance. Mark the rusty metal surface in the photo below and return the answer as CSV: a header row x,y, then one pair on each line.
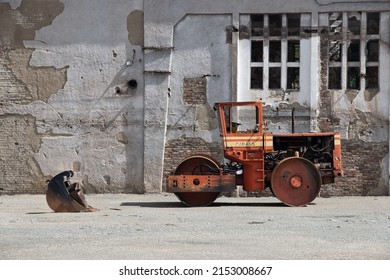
x,y
198,165
204,183
296,181
338,169
64,196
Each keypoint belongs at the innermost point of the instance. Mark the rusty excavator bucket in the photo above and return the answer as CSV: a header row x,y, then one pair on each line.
x,y
64,196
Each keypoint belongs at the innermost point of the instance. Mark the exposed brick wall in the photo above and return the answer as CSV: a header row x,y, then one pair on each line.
x,y
20,24
12,89
178,149
194,91
362,170
19,172
326,120
361,160
21,84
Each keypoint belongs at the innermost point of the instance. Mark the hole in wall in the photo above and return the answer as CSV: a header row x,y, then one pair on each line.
x,y
132,84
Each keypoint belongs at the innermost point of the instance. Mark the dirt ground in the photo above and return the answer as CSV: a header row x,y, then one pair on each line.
x,y
158,226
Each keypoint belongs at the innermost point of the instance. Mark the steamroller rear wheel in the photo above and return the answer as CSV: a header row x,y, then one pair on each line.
x,y
197,165
296,181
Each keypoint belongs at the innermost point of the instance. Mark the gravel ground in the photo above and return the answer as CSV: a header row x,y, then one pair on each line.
x,y
158,226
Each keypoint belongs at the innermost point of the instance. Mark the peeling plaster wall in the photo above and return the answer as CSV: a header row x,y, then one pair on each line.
x,y
365,123
194,90
22,84
192,55
111,88
362,117
66,67
208,55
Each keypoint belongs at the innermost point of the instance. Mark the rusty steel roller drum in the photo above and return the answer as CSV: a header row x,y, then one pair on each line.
x,y
296,181
197,165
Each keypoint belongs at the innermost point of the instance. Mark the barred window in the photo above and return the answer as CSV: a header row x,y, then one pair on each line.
x,y
354,54
275,51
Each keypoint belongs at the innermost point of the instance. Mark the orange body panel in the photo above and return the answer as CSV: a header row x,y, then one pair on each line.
x,y
248,147
245,147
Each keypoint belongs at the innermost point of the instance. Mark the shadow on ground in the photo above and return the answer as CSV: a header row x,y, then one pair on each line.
x,y
215,204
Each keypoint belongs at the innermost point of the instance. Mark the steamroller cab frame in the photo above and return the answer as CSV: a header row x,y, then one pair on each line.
x,y
293,165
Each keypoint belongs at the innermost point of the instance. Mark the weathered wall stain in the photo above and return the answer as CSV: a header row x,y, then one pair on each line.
x,y
12,89
351,95
41,82
22,83
369,94
20,24
135,27
205,118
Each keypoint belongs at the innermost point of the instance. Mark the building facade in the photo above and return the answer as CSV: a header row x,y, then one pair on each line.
x,y
122,91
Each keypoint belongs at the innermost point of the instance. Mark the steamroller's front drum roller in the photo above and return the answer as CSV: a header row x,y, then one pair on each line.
x,y
296,181
197,165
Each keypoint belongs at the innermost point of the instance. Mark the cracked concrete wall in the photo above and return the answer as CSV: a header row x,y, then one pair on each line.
x,y
72,70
